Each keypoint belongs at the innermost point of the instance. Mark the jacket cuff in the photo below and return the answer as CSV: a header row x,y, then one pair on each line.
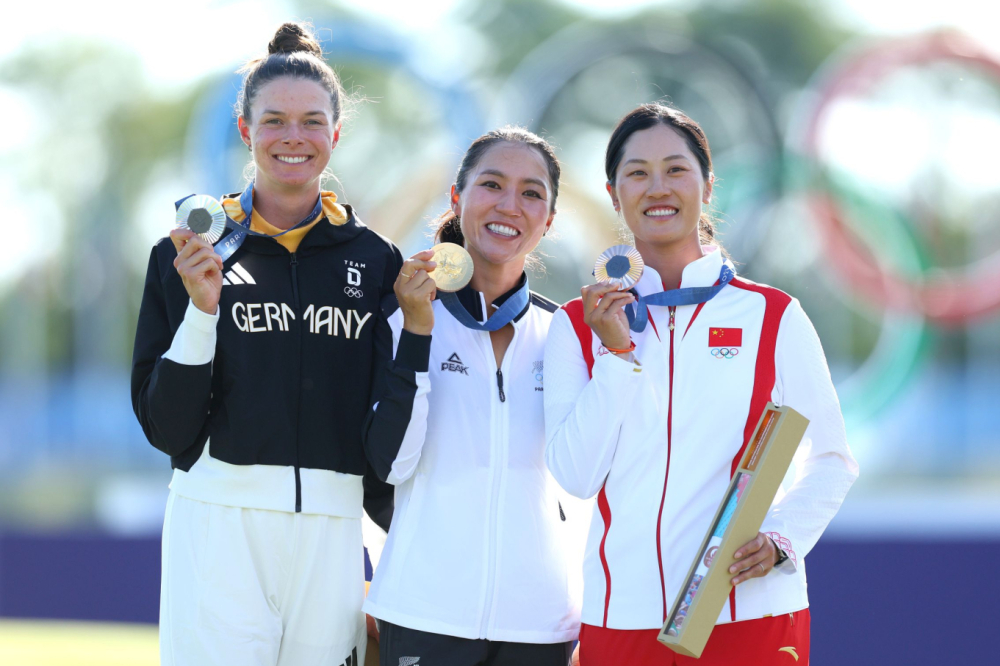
x,y
413,351
792,563
618,366
194,341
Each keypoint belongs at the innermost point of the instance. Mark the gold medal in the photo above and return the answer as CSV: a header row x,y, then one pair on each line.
x,y
203,215
621,264
454,267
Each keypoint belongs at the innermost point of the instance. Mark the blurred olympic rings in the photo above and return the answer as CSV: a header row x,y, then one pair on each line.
x,y
353,292
725,352
944,296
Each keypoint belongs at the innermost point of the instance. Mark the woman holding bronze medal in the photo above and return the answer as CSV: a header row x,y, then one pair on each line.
x,y
657,378
475,569
253,369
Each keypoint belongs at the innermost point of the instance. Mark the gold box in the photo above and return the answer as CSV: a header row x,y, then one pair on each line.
x,y
737,521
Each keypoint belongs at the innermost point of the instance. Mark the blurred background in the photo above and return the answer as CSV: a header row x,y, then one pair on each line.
x,y
854,143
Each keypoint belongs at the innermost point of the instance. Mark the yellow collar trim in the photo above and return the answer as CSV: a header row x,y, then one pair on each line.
x,y
334,212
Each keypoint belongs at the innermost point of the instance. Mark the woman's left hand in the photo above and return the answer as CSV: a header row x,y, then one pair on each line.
x,y
758,557
415,291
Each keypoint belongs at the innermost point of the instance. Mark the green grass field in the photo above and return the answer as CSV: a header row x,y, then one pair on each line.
x,y
52,643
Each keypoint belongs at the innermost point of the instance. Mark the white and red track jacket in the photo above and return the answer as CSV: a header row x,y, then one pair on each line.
x,y
659,440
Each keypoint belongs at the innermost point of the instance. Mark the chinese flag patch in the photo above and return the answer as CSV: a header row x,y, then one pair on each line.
x,y
725,337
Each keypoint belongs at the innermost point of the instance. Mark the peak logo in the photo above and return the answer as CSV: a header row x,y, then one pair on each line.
x,y
454,364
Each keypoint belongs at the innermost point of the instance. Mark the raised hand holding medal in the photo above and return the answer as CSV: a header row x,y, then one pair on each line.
x,y
617,269
415,291
200,222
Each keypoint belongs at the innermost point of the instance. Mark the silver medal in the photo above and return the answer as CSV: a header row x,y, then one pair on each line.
x,y
621,264
203,215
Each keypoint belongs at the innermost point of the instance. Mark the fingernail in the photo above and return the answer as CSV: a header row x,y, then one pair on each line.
x,y
732,569
738,554
733,581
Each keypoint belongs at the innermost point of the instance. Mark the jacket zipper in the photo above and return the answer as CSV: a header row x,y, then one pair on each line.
x,y
295,302
500,433
666,475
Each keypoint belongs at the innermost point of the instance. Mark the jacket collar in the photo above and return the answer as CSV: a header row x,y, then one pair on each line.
x,y
475,303
323,234
702,272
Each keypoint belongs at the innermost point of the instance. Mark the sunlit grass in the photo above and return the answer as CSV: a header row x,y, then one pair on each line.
x,y
51,643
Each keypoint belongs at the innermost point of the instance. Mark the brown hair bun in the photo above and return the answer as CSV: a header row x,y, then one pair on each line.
x,y
294,37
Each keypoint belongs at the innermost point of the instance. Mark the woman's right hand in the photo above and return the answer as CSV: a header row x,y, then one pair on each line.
x,y
604,312
200,268
415,291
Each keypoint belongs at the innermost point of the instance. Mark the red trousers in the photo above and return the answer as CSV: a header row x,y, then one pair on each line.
x,y
781,641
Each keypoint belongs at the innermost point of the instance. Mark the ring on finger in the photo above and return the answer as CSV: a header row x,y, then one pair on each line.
x,y
405,275
762,569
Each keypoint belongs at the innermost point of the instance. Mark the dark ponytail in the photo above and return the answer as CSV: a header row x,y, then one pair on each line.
x,y
449,229
448,226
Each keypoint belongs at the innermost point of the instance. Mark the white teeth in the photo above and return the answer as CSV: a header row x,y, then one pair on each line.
x,y
503,229
292,160
661,212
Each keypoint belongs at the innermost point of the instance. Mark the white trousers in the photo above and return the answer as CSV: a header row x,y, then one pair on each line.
x,y
250,587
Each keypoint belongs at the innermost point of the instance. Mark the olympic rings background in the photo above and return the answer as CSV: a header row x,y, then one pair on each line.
x,y
855,172
945,296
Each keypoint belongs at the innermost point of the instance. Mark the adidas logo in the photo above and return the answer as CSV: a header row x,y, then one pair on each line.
x,y
352,659
238,275
454,364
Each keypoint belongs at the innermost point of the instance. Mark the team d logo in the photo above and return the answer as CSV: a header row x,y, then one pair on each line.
x,y
353,288
725,343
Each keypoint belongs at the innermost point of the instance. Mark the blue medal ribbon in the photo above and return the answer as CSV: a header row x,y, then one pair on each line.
x,y
503,316
638,314
228,245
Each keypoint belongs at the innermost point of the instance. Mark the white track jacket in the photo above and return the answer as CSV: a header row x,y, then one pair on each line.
x,y
480,545
658,442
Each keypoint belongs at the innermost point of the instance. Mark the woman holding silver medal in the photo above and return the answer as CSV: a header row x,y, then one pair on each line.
x,y
476,568
253,370
657,378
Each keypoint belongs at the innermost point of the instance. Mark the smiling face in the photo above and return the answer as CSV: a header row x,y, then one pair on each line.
x,y
291,132
505,206
659,189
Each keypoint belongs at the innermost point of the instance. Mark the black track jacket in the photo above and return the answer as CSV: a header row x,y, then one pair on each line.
x,y
299,347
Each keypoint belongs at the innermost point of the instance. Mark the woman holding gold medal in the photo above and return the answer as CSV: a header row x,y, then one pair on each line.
x,y
657,378
476,567
253,368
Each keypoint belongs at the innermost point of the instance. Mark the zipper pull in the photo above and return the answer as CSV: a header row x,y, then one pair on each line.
x,y
295,259
503,398
673,309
